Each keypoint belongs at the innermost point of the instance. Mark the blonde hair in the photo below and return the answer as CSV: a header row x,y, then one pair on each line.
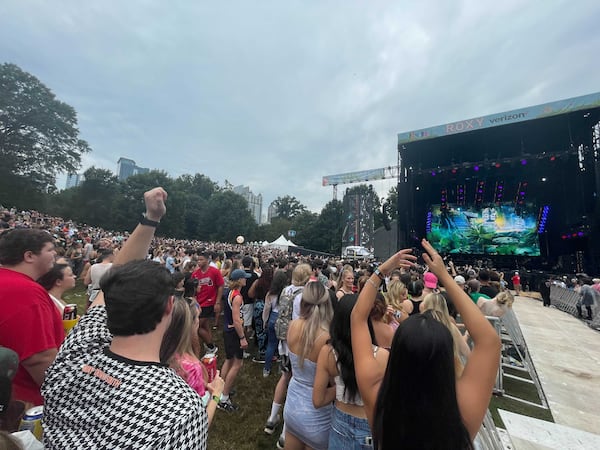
x,y
316,311
235,284
435,303
301,274
347,268
395,290
505,298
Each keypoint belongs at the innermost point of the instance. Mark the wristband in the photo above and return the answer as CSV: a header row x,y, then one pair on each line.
x,y
379,274
216,398
240,338
145,221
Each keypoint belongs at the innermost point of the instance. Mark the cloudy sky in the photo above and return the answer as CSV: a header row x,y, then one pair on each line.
x,y
275,95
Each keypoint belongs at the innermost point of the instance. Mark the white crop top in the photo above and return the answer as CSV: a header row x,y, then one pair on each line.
x,y
341,395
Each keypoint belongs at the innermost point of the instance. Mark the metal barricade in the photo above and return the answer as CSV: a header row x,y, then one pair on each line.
x,y
566,300
488,438
514,342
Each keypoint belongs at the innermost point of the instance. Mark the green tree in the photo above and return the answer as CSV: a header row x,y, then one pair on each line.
x,y
392,201
327,231
226,217
288,207
303,224
94,201
39,137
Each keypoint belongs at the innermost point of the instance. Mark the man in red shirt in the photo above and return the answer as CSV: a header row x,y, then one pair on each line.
x,y
208,295
516,281
30,324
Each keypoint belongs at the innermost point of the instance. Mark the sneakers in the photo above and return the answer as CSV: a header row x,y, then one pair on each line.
x,y
246,355
270,426
227,406
266,373
281,443
259,359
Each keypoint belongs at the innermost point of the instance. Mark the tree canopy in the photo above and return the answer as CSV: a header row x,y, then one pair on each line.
x,y
288,207
39,137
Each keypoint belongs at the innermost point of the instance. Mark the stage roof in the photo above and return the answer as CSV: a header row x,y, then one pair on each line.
x,y
551,127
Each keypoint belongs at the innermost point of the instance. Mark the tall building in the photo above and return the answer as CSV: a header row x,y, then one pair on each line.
x,y
271,211
127,167
254,201
74,180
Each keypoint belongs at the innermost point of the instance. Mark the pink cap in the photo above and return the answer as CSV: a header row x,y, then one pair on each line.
x,y
430,280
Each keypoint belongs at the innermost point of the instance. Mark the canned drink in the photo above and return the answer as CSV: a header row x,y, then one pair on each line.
x,y
32,421
70,312
210,362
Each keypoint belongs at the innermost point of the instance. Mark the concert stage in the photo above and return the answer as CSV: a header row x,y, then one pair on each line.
x,y
517,187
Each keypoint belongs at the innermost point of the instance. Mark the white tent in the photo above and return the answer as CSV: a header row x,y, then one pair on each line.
x,y
281,243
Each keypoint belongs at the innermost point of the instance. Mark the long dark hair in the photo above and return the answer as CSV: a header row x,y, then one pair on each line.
x,y
264,282
341,341
280,280
416,406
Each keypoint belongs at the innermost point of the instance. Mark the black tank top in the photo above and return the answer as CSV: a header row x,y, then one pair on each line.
x,y
415,307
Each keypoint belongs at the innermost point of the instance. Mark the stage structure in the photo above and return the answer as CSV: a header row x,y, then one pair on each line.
x,y
519,186
358,219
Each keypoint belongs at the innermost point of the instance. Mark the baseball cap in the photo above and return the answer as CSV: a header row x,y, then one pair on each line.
x,y
459,279
238,274
430,280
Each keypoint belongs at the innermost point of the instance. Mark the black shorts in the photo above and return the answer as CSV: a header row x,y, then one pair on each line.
x,y
232,345
207,312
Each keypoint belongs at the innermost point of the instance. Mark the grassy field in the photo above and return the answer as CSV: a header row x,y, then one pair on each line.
x,y
243,429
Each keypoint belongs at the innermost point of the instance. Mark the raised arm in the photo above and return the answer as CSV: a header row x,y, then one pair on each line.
x,y
474,388
136,246
369,372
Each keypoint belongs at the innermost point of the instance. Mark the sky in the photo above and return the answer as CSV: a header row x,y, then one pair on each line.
x,y
275,95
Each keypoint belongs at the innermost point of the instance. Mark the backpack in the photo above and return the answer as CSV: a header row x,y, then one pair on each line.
x,y
286,306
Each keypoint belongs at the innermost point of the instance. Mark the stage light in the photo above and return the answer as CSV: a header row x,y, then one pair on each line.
x,y
544,178
476,168
553,158
523,162
428,224
580,234
543,218
418,188
497,165
454,171
433,173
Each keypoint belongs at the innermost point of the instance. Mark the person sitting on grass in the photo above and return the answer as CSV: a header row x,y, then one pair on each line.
x,y
418,402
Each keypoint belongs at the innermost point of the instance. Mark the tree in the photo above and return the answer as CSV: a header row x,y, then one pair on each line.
x,y
226,217
327,231
39,137
288,207
392,201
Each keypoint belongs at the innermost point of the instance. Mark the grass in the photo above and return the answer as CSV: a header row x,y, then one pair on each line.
x,y
243,429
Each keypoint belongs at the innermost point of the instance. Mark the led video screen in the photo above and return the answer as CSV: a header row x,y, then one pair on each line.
x,y
490,230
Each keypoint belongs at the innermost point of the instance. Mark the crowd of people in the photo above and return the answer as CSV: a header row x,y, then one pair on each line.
x,y
369,356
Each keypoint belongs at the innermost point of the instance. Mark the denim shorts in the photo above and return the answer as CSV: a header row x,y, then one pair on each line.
x,y
349,432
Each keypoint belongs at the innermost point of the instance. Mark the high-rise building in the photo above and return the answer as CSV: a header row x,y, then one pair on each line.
x,y
271,211
127,167
254,202
74,180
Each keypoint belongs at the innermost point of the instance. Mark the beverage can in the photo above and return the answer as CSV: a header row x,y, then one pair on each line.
x,y
210,362
32,421
70,312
